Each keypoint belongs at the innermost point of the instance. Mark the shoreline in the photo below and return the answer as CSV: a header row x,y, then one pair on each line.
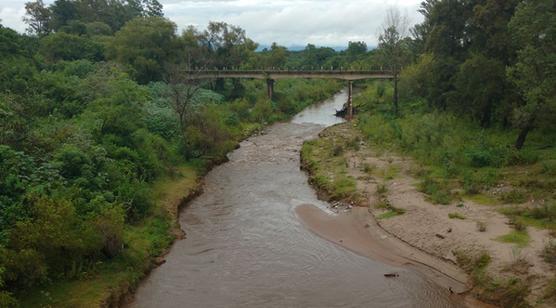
x,y
379,192
356,231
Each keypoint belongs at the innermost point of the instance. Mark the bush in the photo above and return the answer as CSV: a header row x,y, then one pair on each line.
x,y
481,226
549,252
437,192
456,216
514,196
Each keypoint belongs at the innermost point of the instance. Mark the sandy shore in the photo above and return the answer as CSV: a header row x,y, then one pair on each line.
x,y
424,237
357,231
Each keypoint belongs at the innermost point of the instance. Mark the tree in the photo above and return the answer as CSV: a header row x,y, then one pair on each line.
x,y
480,83
393,47
534,30
64,46
152,8
144,45
37,18
228,45
181,91
356,49
63,11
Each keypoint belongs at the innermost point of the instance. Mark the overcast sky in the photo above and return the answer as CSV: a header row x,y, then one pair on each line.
x,y
287,22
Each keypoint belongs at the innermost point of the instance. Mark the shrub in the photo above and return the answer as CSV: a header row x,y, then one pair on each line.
x,y
337,150
514,196
481,226
520,238
549,252
456,216
437,192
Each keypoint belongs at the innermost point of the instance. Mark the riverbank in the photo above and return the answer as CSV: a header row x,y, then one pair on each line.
x,y
146,242
112,282
477,238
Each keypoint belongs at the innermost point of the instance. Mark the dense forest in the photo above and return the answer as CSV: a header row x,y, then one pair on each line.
x,y
93,109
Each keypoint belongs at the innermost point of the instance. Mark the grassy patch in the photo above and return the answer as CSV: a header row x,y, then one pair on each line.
x,y
390,172
510,292
392,212
369,168
482,199
550,291
328,167
540,216
456,215
520,238
437,191
549,252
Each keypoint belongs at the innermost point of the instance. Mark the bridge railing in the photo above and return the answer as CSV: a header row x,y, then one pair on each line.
x,y
293,71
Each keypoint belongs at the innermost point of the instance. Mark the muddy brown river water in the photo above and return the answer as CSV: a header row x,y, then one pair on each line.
x,y
245,246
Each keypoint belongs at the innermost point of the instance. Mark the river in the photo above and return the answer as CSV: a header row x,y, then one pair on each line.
x,y
245,246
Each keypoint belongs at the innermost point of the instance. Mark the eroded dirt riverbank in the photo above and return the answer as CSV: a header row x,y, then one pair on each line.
x,y
246,247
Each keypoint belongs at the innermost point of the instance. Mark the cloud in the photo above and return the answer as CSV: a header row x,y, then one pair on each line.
x,y
287,22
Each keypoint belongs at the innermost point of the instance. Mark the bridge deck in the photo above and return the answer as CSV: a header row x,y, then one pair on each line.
x,y
283,74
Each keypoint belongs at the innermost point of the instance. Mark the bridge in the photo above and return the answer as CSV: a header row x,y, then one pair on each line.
x,y
274,74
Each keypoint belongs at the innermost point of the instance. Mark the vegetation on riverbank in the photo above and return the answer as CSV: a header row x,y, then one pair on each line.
x,y
92,136
460,160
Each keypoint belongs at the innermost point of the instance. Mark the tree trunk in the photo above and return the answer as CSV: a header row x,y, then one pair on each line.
x,y
523,134
487,114
396,108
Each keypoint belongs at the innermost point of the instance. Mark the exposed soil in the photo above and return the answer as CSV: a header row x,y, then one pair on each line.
x,y
424,225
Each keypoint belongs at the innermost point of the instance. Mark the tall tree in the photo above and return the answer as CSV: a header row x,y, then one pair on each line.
x,y
144,45
393,47
534,29
37,17
63,11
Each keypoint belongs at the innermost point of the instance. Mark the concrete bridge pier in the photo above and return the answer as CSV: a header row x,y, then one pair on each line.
x,y
270,87
350,101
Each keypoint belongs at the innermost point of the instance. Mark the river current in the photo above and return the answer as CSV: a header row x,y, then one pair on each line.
x,y
245,246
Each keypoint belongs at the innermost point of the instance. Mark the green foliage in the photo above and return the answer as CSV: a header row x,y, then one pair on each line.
x,y
549,252
456,215
143,45
68,47
520,238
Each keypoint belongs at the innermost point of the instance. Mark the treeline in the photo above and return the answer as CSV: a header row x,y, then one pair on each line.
x,y
486,60
476,83
93,109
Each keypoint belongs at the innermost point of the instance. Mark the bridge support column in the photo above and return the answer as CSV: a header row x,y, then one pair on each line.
x,y
270,88
350,101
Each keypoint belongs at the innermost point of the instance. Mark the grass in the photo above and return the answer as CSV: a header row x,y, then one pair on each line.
x,y
550,291
549,252
543,216
144,241
369,168
519,238
482,199
456,155
390,172
456,215
328,167
390,213
509,292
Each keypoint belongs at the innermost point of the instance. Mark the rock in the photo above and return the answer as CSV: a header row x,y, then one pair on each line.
x,y
449,230
159,261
